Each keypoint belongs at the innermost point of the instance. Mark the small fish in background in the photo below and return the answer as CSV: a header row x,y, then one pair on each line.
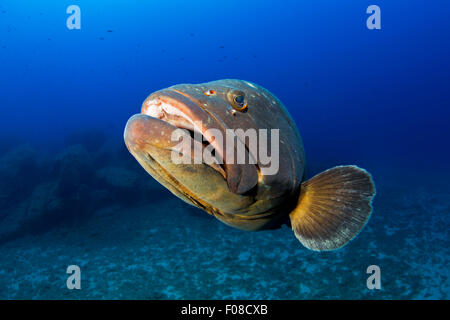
x,y
109,31
325,212
101,38
221,47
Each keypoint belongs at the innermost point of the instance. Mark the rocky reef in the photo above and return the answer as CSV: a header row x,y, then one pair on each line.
x,y
39,192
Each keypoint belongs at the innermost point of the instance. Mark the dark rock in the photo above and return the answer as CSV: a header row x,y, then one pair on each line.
x,y
43,210
73,168
122,183
18,174
118,177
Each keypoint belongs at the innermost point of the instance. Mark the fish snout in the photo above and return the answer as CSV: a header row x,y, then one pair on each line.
x,y
143,132
138,132
133,131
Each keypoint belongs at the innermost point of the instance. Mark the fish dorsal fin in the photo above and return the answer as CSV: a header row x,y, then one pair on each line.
x,y
333,207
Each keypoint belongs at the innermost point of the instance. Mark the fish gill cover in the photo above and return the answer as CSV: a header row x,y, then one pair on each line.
x,y
71,194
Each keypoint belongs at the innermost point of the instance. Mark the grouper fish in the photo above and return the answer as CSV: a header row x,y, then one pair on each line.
x,y
325,212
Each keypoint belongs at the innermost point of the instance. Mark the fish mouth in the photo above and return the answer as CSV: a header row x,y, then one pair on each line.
x,y
183,113
167,110
149,140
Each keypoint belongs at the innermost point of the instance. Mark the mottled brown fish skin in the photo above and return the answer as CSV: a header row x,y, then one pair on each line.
x,y
325,213
270,198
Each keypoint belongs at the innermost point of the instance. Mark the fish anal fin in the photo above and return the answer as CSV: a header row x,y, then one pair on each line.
x,y
333,207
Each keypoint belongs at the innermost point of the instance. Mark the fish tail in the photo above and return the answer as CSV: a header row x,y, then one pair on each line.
x,y
333,207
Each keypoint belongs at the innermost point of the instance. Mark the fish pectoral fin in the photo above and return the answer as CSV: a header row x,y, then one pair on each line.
x,y
333,207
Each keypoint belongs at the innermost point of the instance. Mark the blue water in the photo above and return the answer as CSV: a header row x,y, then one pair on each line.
x,y
70,193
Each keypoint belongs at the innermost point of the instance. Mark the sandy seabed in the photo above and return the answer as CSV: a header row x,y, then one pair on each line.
x,y
169,250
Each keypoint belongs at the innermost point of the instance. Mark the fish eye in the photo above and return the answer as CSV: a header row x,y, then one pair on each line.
x,y
239,101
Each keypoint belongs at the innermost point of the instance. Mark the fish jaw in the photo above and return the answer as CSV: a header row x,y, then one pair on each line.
x,y
197,184
149,140
179,107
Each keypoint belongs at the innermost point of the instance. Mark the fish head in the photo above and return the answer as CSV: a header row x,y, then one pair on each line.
x,y
233,181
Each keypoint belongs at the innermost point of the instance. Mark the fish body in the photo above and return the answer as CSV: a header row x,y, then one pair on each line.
x,y
238,120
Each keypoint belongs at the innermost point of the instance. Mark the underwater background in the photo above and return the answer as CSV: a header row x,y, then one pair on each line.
x,y
70,193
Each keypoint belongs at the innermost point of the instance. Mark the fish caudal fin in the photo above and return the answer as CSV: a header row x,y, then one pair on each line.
x,y
333,207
